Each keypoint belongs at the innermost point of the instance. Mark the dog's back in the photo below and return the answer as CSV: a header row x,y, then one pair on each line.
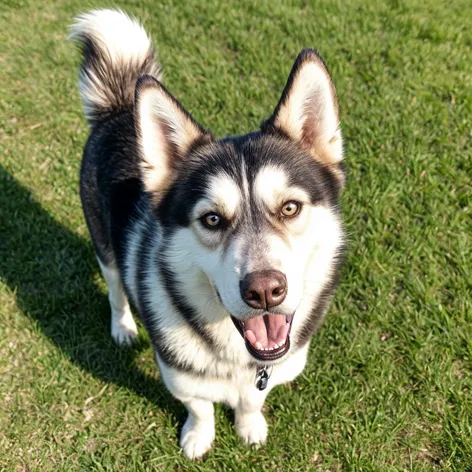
x,y
116,51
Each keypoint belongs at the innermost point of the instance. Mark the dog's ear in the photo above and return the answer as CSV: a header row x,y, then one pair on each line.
x,y
308,110
165,132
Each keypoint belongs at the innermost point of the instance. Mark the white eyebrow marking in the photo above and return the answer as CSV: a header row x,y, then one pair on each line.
x,y
270,182
271,186
223,195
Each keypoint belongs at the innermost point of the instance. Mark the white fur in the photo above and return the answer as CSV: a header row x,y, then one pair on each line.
x,y
124,42
198,432
238,392
268,184
252,427
187,259
197,289
123,327
309,247
313,246
124,38
314,237
271,188
312,94
223,196
202,263
313,243
306,259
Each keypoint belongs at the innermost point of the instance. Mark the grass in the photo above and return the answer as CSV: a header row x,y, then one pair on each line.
x,y
388,384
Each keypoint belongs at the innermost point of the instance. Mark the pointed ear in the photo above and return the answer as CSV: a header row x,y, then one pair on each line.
x,y
165,132
308,110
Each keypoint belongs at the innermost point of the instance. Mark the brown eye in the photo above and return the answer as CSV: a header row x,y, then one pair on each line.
x,y
290,209
211,220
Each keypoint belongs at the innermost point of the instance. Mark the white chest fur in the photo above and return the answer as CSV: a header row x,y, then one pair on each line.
x,y
233,391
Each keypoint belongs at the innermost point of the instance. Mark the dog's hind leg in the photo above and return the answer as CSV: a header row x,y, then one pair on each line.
x,y
123,327
198,432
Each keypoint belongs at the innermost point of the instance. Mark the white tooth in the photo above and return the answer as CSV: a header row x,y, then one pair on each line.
x,y
282,343
276,346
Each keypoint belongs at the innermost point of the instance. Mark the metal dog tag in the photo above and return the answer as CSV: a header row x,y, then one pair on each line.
x,y
262,378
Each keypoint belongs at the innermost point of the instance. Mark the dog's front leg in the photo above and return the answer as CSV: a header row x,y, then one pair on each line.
x,y
250,422
198,432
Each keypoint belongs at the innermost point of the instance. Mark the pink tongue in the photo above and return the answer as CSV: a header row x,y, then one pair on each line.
x,y
268,330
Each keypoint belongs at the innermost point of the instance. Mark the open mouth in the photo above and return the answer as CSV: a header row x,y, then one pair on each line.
x,y
267,336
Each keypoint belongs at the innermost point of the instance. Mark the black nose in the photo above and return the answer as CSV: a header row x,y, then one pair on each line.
x,y
263,289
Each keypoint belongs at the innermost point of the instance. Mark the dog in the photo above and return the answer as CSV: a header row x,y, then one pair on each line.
x,y
228,249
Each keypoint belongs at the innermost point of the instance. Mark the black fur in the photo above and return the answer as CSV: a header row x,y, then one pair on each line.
x,y
245,154
113,195
115,81
110,182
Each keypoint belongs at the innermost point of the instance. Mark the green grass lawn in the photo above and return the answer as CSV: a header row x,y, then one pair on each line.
x,y
388,386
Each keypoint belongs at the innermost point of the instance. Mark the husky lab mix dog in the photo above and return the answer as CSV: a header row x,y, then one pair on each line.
x,y
228,248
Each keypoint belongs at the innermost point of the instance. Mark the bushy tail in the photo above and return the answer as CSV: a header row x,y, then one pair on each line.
x,y
116,51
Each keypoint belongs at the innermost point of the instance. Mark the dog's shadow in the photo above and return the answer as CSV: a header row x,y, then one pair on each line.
x,y
53,274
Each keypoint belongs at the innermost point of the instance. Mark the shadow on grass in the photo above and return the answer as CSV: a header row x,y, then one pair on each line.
x,y
51,270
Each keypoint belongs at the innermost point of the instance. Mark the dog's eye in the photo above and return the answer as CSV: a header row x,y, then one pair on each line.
x,y
212,220
290,209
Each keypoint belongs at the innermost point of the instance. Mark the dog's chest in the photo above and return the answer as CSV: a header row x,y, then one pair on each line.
x,y
240,386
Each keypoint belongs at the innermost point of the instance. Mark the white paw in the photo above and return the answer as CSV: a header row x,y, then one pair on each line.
x,y
252,428
196,438
124,329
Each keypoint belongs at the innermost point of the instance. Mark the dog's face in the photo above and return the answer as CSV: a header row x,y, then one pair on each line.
x,y
250,215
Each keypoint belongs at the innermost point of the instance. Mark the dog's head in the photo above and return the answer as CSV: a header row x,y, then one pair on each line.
x,y
252,220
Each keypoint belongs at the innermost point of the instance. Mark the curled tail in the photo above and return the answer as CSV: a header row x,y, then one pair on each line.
x,y
116,51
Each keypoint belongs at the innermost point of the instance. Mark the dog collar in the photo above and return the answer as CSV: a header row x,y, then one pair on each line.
x,y
262,377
